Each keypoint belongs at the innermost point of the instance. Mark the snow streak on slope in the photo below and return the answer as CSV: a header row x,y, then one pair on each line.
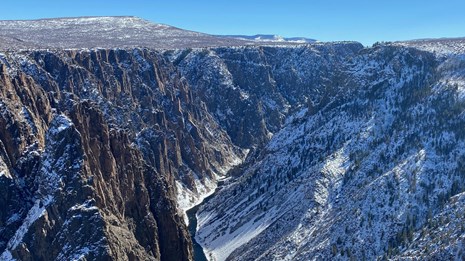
x,y
48,181
4,172
37,211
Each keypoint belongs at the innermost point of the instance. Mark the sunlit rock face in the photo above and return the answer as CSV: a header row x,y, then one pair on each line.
x,y
104,144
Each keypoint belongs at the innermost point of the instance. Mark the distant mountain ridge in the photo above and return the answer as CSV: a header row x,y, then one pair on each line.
x,y
270,38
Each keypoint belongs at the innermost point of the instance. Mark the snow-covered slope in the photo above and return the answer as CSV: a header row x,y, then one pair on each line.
x,y
103,32
357,176
440,47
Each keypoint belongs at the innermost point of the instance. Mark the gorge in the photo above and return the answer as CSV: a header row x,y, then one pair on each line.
x,y
111,128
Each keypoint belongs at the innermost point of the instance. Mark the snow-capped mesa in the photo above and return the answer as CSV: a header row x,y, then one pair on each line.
x,y
110,32
102,32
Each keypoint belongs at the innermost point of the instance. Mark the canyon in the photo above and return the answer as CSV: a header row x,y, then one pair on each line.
x,y
111,128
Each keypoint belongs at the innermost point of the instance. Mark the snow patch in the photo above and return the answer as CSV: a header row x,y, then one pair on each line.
x,y
85,207
6,256
4,172
37,211
81,254
187,199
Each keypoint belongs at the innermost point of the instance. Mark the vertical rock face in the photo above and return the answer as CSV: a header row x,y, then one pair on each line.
x,y
103,149
96,147
251,90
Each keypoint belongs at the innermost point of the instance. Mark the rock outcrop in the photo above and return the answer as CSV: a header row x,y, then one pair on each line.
x,y
252,90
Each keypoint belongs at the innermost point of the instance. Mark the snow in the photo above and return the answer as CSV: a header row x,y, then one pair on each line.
x,y
26,117
87,206
4,172
37,211
441,47
187,199
62,122
13,218
109,32
48,181
271,38
6,256
321,172
81,254
221,249
369,163
334,168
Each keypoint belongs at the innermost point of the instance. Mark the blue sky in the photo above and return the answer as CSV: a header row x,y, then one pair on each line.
x,y
329,20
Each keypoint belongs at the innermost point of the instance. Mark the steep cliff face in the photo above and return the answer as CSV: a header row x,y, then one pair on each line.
x,y
369,174
251,90
111,144
97,149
